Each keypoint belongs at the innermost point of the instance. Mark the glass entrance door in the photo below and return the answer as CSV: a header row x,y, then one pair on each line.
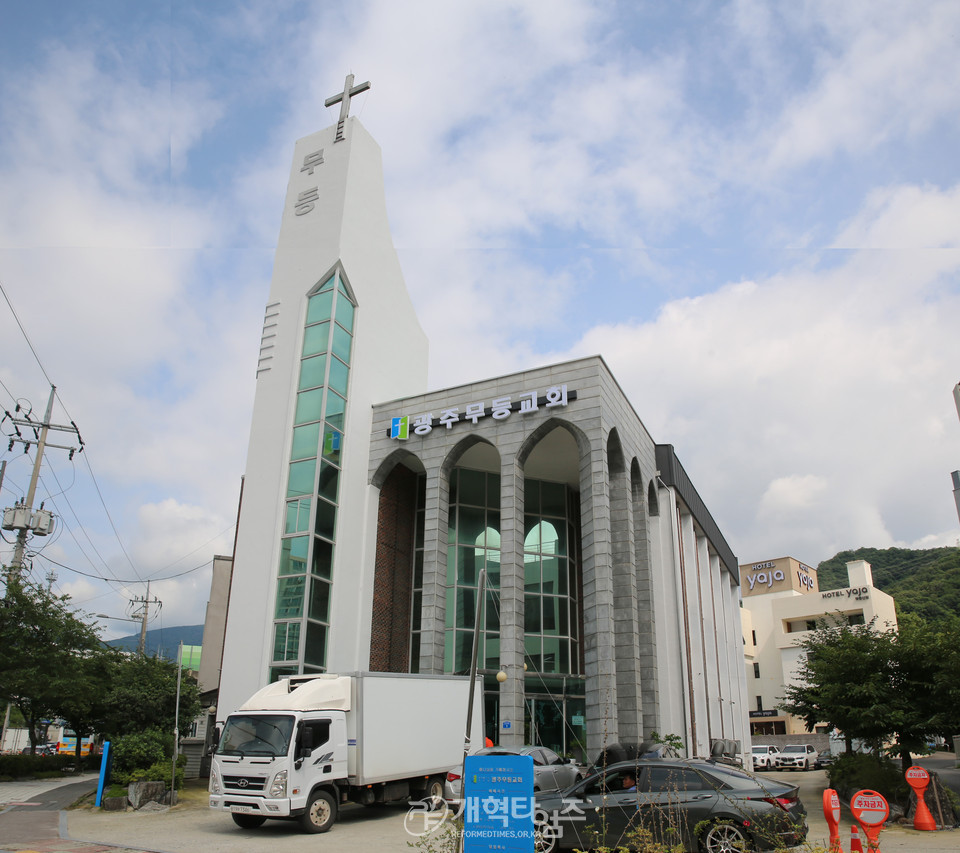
x,y
556,722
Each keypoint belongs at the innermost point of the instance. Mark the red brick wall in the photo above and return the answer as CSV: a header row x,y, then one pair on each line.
x,y
396,517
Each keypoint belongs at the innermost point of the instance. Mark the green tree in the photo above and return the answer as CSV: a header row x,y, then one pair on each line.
x,y
875,685
42,640
84,692
843,681
143,696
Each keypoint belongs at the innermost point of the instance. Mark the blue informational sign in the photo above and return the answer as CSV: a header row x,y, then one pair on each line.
x,y
498,804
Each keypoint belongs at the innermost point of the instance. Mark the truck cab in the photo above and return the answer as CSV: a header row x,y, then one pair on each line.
x,y
268,764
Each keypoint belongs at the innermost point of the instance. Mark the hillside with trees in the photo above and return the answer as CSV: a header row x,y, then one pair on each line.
x,y
922,582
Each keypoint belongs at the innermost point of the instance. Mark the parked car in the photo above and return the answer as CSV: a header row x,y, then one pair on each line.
x,y
824,759
764,756
798,756
42,749
550,771
703,804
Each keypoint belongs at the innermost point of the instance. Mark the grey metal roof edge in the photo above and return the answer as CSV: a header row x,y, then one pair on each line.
x,y
673,474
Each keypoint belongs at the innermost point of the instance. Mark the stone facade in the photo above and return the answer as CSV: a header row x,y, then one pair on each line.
x,y
626,551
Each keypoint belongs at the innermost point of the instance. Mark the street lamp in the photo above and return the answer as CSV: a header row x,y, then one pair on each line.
x,y
143,637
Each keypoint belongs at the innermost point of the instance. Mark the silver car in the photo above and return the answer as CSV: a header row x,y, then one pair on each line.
x,y
550,771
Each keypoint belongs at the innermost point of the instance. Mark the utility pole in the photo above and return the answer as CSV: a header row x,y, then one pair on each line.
x,y
144,616
21,517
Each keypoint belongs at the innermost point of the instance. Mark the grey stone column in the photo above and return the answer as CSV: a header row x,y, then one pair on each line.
x,y
433,611
626,638
646,614
511,601
598,610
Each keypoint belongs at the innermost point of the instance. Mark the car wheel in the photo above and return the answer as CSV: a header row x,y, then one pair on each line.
x,y
320,814
248,821
544,837
724,838
433,793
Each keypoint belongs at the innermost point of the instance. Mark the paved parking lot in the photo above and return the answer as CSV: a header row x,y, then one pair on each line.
x,y
191,827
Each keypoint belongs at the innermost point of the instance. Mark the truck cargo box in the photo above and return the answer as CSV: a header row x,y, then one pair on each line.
x,y
398,725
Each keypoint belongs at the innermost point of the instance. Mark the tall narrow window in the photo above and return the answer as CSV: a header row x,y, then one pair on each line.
x,y
473,544
550,580
305,577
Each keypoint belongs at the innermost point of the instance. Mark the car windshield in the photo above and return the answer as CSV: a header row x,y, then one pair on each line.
x,y
260,734
795,749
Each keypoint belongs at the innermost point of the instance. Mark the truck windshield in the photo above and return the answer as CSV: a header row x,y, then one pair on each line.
x,y
256,734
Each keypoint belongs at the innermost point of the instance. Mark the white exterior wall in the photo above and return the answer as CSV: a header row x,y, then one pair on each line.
x,y
776,649
709,628
737,698
347,224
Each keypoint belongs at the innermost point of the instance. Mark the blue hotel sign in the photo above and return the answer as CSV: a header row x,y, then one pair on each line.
x,y
498,804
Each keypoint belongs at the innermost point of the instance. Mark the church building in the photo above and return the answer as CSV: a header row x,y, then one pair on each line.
x,y
374,510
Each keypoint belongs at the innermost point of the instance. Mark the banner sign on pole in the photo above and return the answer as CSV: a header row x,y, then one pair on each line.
x,y
498,804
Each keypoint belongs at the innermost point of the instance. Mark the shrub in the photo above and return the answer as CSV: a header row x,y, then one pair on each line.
x,y
141,750
21,766
858,771
158,773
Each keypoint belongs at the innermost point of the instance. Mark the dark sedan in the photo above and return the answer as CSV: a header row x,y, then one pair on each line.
x,y
700,804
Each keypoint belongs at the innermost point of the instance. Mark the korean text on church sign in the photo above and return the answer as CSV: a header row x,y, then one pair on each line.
x,y
499,409
307,199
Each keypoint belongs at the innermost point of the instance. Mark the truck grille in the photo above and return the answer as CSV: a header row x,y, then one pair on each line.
x,y
244,783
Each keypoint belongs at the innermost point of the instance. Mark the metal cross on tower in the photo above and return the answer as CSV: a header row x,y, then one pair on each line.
x,y
343,98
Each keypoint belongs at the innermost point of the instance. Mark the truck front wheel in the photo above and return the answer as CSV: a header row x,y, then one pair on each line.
x,y
320,814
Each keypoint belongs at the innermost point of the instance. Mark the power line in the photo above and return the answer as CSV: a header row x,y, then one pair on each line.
x,y
123,580
25,336
82,527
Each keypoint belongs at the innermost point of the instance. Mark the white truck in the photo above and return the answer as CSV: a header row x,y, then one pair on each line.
x,y
302,746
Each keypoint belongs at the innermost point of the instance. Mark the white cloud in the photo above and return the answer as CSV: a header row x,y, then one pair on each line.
x,y
881,71
790,495
511,132
829,387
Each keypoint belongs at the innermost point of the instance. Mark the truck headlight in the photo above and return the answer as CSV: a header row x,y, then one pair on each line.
x,y
279,786
214,786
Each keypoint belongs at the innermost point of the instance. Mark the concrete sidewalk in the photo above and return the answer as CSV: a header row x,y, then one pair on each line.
x,y
22,791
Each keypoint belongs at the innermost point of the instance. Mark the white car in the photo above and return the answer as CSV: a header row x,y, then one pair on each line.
x,y
764,756
801,756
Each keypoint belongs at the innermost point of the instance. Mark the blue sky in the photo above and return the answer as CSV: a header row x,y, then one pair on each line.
x,y
751,210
